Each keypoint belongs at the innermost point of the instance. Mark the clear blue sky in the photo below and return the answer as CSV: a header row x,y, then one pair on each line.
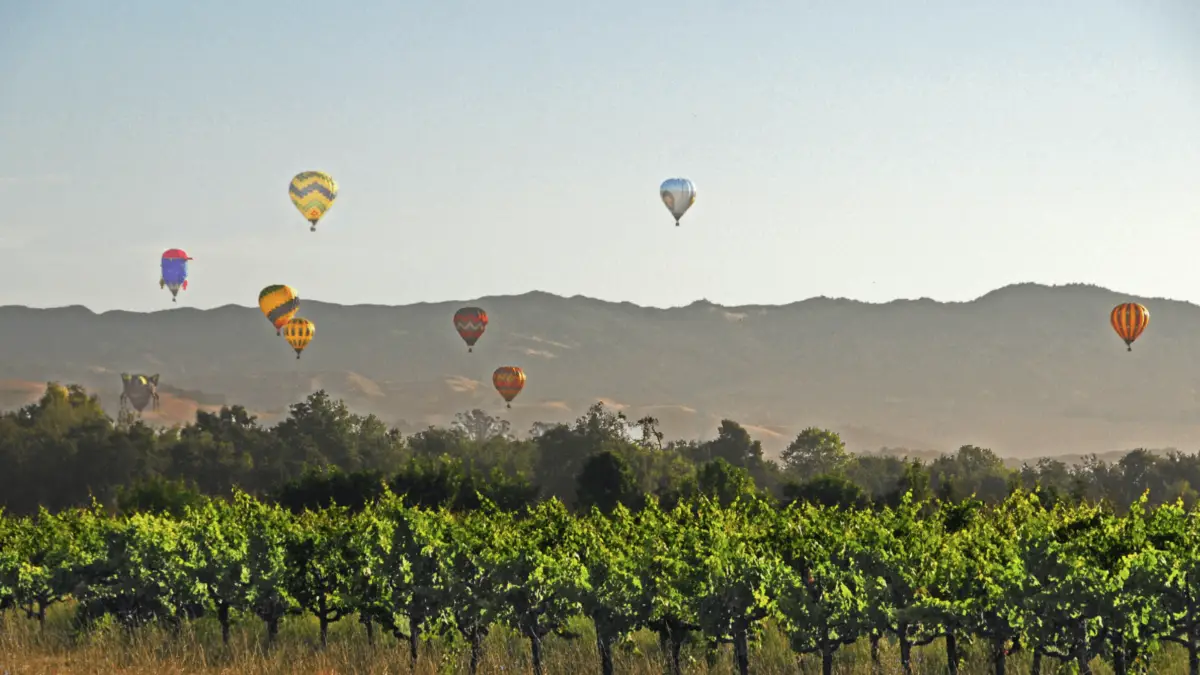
x,y
867,149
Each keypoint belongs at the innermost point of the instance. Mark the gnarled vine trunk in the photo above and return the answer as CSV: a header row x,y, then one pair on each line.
x,y
952,653
535,652
414,640
223,617
741,651
604,644
1000,656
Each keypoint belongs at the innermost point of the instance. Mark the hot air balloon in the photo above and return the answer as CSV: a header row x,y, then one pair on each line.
x,y
509,381
470,322
298,332
174,271
313,193
278,303
1129,320
678,194
139,390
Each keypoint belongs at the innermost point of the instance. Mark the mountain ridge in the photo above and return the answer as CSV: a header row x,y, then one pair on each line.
x,y
1025,285
1028,369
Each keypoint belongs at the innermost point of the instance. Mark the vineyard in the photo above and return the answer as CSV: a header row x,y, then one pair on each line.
x,y
1065,584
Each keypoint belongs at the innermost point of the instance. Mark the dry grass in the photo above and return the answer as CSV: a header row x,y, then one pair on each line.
x,y
198,649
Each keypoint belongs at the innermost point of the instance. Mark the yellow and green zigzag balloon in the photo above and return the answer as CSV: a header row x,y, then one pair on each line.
x,y
313,193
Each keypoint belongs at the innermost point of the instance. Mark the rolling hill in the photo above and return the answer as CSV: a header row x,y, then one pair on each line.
x,y
1028,370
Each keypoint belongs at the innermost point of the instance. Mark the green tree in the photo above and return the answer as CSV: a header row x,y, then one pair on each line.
x,y
815,452
479,426
650,437
827,490
158,495
320,431
606,481
734,445
725,483
327,486
972,471
563,450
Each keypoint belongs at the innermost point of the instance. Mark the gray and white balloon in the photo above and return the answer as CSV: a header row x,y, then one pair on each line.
x,y
678,194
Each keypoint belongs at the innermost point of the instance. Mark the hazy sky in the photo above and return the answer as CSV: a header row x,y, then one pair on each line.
x,y
868,149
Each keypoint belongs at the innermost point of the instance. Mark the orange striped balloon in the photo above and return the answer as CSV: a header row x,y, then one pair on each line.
x,y
1129,320
509,381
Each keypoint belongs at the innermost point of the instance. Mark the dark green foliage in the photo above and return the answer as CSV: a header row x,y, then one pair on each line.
x,y
63,451
827,490
605,481
158,495
323,487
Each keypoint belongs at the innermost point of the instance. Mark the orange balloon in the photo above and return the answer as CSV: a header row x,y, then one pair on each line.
x,y
509,381
1129,320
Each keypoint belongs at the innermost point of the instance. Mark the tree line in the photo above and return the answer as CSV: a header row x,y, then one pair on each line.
x,y
64,451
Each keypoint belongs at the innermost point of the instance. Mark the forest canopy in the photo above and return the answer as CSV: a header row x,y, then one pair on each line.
x,y
63,451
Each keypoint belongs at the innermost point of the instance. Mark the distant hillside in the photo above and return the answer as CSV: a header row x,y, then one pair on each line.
x,y
1027,370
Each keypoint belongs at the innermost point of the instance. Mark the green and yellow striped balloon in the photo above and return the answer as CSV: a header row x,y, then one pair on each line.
x,y
278,303
313,193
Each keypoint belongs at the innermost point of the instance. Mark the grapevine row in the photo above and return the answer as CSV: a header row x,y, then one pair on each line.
x,y
1068,582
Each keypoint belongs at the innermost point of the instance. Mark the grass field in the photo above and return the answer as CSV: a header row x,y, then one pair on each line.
x,y
25,650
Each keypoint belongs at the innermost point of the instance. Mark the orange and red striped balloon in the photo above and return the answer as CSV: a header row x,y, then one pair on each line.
x,y
1129,320
509,381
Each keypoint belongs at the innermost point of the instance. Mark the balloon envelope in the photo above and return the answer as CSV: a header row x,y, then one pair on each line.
x,y
175,269
278,303
299,332
470,322
678,195
509,381
1129,320
313,193
139,390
